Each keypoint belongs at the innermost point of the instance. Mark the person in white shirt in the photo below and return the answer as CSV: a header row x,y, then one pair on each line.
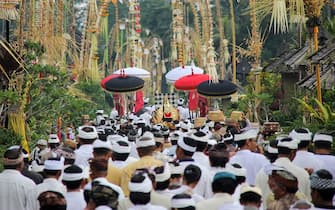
x,y
171,151
36,153
218,158
223,185
162,180
140,187
50,151
53,168
246,157
73,180
303,158
185,150
182,201
286,153
240,174
323,143
121,153
202,142
17,192
191,177
86,135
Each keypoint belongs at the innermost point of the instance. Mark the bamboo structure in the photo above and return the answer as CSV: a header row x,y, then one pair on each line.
x,y
135,44
208,38
177,45
196,36
88,57
8,9
297,9
222,59
233,31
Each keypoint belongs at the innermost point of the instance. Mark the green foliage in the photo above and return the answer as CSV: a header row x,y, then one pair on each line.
x,y
264,99
50,98
323,117
9,97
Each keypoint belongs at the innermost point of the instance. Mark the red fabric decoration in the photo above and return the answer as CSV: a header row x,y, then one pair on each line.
x,y
139,102
190,82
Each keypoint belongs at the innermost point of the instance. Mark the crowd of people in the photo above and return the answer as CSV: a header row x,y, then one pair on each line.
x,y
129,163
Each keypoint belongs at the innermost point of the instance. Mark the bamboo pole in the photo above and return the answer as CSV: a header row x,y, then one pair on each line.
x,y
221,35
233,31
318,69
21,25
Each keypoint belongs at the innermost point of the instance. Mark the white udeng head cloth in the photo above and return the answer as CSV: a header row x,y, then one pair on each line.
x,y
118,148
248,134
54,164
53,139
102,144
236,171
181,143
73,176
301,136
87,135
322,137
254,189
145,186
182,202
285,142
165,175
146,140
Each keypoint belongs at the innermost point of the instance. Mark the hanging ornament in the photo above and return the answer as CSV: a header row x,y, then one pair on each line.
x,y
8,9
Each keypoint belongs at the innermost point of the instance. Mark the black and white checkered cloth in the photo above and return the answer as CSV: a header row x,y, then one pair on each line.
x,y
159,98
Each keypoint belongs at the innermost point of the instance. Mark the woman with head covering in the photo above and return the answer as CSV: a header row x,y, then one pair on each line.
x,y
284,186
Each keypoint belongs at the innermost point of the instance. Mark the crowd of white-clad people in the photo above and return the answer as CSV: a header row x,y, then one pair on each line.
x,y
129,163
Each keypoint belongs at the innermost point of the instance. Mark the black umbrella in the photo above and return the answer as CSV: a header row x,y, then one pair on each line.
x,y
220,89
122,83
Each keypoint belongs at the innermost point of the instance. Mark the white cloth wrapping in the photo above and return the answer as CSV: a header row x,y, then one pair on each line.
x,y
252,162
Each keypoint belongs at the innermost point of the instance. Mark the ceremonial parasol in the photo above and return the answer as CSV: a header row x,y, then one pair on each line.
x,y
216,89
122,83
190,82
134,71
176,73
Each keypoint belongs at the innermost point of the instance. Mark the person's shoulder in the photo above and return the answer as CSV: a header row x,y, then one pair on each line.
x,y
27,182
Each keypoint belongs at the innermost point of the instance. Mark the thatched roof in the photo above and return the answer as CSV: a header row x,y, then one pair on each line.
x,y
324,55
289,61
327,78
